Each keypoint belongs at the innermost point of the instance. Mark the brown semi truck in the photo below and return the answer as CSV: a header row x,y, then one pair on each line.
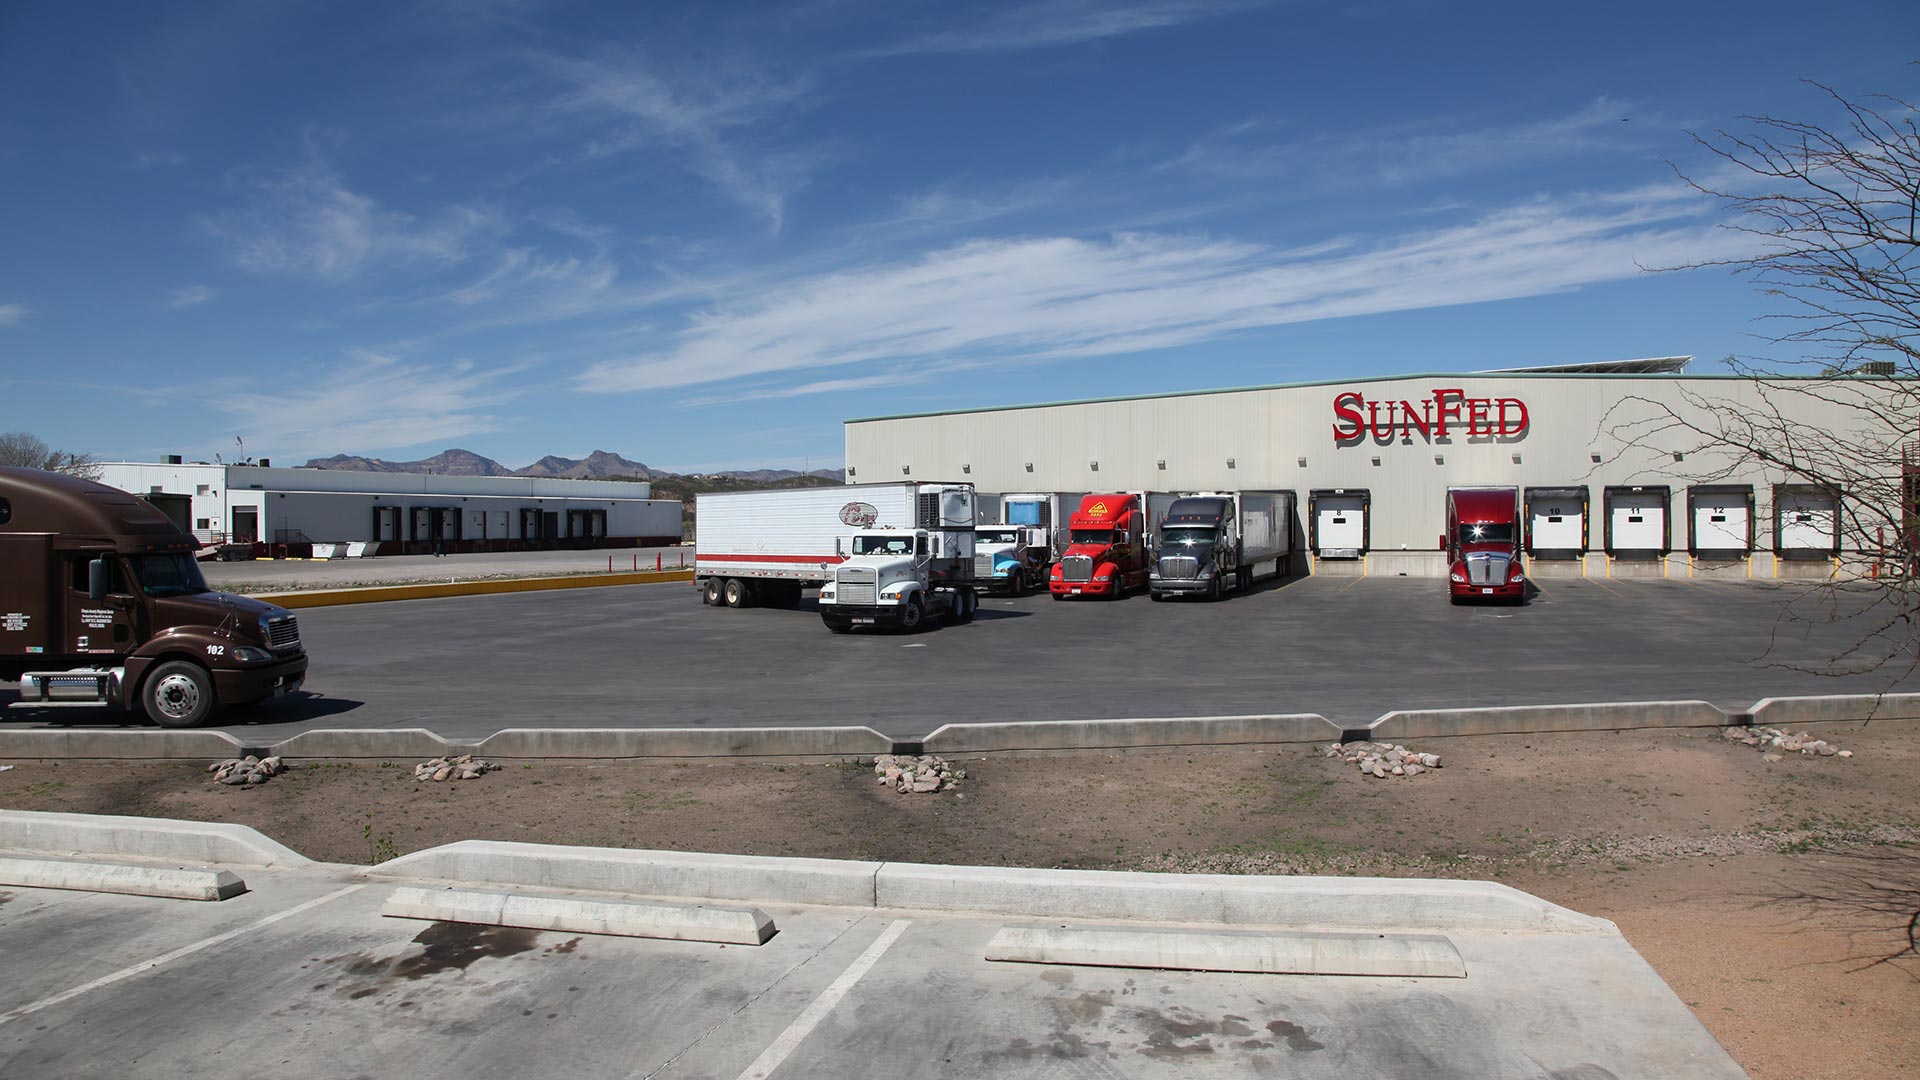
x,y
102,604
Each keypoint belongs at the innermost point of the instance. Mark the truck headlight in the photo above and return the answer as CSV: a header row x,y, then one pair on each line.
x,y
1517,574
251,654
1103,577
1458,576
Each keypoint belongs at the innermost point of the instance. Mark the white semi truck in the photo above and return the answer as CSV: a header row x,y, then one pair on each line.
x,y
1212,542
1014,546
900,553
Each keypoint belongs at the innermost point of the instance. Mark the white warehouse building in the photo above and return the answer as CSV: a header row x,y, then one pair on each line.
x,y
1616,462
281,511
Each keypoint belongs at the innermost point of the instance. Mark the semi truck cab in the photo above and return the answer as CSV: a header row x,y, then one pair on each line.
x,y
1483,545
1106,549
900,578
102,604
1009,558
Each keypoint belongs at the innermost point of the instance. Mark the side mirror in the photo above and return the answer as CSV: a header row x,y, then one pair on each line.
x,y
97,580
839,547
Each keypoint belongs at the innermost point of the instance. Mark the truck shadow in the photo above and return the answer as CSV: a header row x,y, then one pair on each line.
x,y
295,708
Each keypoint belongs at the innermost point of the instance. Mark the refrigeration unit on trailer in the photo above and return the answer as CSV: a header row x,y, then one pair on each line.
x,y
1218,541
765,547
1110,540
900,576
1483,544
1557,522
1636,521
1720,521
1337,520
1806,521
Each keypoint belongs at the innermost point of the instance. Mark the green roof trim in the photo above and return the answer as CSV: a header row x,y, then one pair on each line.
x,y
1668,377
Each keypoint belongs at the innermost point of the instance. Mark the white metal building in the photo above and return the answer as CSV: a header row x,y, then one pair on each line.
x,y
287,510
1608,472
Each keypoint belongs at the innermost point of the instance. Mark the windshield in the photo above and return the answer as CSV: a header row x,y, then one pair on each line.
x,y
1186,536
167,575
1092,536
883,545
996,536
1487,534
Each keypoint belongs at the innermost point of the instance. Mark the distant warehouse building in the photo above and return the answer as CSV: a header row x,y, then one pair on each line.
x,y
295,511
1617,462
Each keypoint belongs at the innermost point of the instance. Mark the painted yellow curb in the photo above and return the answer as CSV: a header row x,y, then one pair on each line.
x,y
379,594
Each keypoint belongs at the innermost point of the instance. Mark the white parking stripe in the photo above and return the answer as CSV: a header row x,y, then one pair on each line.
x,y
184,950
803,1025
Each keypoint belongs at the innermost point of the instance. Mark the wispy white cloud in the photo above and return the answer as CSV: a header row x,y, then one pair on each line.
x,y
698,122
1051,23
1047,298
11,314
305,220
190,296
368,402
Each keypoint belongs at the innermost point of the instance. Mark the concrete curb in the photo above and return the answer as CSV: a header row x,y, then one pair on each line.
x,y
677,874
1118,734
578,915
380,594
133,745
172,883
1788,712
1413,956
1320,903
1529,719
162,839
367,743
683,742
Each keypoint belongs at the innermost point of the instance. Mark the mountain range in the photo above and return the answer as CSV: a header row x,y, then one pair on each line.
x,y
598,465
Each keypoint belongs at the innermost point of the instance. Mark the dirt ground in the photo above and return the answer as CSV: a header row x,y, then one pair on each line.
x,y
1778,899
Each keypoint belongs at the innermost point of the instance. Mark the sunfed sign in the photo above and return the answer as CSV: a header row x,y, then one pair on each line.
x,y
1449,411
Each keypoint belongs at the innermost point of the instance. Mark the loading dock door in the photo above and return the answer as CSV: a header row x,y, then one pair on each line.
x,y
1339,524
1637,522
1556,522
386,523
1722,521
1806,522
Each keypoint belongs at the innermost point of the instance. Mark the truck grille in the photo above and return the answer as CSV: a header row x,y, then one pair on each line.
x,y
1487,569
857,587
1076,568
1180,567
983,566
283,633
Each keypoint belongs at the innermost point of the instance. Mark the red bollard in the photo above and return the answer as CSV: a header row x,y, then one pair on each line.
x,y
609,564
657,564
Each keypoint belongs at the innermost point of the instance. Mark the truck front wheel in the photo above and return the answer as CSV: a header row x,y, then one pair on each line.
x,y
912,614
839,624
178,694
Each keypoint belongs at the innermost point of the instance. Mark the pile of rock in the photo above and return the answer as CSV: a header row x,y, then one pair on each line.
x,y
911,775
247,770
1773,739
1382,760
464,767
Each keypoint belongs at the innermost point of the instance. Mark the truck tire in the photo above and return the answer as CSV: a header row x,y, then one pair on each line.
x,y
912,614
178,694
839,624
710,592
1156,597
969,604
1245,576
1119,590
738,593
1213,590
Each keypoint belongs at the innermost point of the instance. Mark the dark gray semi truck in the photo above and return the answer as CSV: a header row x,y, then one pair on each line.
x,y
1217,542
102,605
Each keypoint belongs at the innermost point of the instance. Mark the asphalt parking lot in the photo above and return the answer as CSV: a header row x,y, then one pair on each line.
x,y
1351,649
303,977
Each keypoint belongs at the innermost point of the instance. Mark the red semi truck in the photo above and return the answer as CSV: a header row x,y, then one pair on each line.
x,y
1483,544
1109,545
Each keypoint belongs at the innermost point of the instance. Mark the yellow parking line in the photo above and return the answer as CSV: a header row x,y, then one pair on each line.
x,y
1348,585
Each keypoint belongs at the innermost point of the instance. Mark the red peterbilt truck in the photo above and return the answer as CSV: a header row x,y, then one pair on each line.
x,y
1109,545
1483,544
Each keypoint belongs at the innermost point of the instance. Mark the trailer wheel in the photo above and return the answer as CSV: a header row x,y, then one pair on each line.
x,y
912,613
969,604
710,592
738,593
178,694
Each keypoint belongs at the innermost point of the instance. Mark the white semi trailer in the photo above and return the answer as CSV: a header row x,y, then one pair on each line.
x,y
1212,542
765,547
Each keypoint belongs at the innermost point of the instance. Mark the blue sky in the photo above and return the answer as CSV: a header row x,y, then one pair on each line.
x,y
702,235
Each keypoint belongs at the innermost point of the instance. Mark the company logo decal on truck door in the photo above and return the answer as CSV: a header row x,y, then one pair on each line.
x,y
859,515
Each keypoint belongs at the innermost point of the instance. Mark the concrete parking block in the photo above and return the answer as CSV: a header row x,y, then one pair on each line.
x,y
62,744
1405,955
1830,708
169,882
684,742
367,743
582,915
1116,734
1528,719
